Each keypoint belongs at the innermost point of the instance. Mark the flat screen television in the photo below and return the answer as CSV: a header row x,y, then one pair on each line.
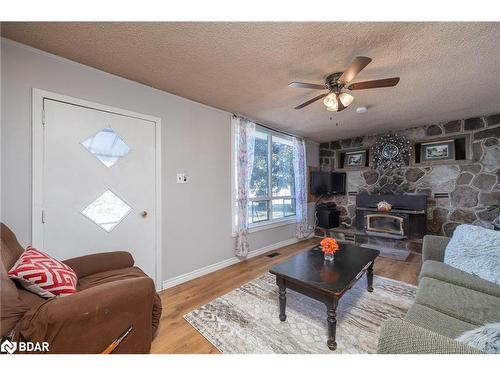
x,y
327,183
321,183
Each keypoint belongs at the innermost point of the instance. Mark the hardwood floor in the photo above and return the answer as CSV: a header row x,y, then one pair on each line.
x,y
177,336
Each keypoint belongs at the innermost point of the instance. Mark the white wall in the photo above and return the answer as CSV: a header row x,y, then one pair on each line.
x,y
195,140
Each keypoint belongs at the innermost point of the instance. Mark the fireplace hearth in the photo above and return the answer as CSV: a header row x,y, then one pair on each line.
x,y
406,220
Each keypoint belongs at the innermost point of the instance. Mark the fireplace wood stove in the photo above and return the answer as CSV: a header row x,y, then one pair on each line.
x,y
406,220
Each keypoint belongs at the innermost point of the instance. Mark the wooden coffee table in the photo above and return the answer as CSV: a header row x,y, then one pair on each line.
x,y
307,273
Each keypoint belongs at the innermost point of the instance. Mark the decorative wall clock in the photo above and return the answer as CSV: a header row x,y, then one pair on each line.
x,y
391,151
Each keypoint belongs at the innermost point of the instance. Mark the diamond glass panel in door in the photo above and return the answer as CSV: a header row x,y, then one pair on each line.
x,y
107,211
107,146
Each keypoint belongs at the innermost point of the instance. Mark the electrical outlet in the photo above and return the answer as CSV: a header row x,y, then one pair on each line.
x,y
182,178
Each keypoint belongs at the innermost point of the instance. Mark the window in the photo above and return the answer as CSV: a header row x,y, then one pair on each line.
x,y
107,211
107,146
272,190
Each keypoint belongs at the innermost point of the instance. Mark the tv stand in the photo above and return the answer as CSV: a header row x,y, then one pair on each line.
x,y
327,215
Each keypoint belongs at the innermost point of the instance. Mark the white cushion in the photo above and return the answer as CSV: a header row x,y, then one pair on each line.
x,y
485,338
475,250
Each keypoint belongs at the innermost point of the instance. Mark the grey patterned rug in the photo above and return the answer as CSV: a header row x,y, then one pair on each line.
x,y
246,319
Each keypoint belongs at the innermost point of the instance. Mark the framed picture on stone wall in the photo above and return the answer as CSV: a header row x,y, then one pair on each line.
x,y
355,159
439,150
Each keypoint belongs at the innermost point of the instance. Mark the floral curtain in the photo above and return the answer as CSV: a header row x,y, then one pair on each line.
x,y
299,168
244,133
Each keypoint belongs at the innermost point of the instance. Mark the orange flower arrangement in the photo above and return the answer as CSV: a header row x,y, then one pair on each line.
x,y
329,245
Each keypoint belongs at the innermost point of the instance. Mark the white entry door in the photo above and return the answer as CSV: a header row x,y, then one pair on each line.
x,y
99,184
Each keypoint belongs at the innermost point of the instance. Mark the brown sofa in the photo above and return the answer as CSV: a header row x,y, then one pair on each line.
x,y
112,295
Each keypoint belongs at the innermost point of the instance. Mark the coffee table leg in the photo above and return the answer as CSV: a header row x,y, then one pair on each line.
x,y
369,276
282,298
331,312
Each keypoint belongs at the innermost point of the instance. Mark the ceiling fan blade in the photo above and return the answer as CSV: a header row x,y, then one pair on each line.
x,y
357,65
386,82
311,101
303,85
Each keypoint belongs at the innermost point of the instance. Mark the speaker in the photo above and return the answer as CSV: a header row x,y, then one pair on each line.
x,y
327,217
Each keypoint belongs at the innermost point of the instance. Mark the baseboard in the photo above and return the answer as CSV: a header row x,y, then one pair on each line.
x,y
272,247
169,283
225,263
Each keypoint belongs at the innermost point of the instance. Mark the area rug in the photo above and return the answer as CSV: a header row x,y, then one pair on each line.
x,y
246,319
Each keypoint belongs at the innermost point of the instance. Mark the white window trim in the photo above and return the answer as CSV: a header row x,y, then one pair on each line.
x,y
257,227
268,224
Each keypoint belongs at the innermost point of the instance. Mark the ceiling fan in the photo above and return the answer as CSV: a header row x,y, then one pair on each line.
x,y
335,99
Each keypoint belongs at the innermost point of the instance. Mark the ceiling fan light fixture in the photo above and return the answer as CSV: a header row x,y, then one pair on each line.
x,y
346,99
330,102
335,100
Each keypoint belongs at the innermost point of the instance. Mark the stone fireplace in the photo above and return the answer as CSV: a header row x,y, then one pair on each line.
x,y
458,191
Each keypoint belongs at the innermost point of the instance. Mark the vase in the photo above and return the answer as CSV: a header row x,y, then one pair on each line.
x,y
329,257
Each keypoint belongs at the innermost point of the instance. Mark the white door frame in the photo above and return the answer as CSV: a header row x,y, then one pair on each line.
x,y
38,120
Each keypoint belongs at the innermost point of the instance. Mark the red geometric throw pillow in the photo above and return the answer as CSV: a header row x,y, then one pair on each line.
x,y
43,275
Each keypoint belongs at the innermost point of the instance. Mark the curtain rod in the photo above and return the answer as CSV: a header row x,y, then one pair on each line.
x,y
270,128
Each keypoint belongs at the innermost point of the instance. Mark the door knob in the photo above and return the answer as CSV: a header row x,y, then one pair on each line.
x,y
144,213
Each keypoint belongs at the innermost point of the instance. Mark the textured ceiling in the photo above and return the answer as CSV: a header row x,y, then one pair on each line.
x,y
447,70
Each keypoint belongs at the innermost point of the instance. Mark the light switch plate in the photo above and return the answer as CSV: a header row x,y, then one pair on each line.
x,y
182,178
